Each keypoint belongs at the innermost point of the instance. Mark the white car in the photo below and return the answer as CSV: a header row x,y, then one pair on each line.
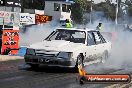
x,y
69,47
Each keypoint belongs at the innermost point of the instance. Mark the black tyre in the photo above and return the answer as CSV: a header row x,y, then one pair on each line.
x,y
82,80
34,66
79,62
104,57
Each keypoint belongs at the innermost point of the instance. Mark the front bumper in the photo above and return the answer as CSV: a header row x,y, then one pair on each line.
x,y
48,61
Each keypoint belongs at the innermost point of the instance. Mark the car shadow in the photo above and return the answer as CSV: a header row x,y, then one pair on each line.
x,y
49,69
55,69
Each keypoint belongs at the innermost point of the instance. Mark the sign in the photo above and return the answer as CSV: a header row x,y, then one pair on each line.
x,y
31,19
8,18
41,19
40,12
1,21
105,78
10,40
27,18
2,13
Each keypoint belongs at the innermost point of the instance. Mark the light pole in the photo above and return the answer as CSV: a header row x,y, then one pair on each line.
x,y
91,9
116,22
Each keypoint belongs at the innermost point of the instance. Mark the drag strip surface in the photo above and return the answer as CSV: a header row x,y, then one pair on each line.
x,y
20,76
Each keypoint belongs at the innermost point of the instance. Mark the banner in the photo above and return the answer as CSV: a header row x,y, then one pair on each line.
x,y
27,18
32,19
8,18
1,21
41,19
10,39
40,12
2,13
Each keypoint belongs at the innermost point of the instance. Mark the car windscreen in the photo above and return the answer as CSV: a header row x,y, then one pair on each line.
x,y
68,35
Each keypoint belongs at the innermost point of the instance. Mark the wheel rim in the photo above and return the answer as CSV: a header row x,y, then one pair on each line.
x,y
104,57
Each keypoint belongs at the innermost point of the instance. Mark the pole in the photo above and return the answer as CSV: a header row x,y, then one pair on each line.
x,y
116,22
4,17
91,12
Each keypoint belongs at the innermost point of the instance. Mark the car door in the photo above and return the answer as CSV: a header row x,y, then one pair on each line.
x,y
99,43
91,47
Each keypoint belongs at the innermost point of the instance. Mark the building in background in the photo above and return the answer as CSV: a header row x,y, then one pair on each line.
x,y
58,9
11,5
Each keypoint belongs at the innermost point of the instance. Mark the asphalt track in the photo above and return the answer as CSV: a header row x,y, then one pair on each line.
x,y
18,75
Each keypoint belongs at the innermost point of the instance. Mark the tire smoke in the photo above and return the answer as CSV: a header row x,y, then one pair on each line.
x,y
37,33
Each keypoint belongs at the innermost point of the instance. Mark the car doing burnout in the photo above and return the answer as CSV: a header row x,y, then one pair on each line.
x,y
68,47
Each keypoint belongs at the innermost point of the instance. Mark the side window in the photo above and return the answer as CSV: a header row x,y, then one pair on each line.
x,y
101,37
56,7
90,39
98,38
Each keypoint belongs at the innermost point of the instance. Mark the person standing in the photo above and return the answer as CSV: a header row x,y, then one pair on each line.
x,y
99,27
68,24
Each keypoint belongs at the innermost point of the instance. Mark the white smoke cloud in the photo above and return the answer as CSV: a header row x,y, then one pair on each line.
x,y
37,33
121,53
121,49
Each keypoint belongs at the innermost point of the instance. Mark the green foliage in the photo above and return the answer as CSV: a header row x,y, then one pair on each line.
x,y
82,6
77,13
130,10
82,3
108,9
33,4
78,9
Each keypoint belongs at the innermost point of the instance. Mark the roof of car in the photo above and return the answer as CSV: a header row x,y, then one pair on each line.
x,y
78,29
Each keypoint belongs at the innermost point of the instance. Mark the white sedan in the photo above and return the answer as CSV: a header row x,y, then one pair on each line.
x,y
69,47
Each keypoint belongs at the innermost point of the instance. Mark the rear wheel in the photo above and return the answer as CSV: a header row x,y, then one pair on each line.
x,y
104,57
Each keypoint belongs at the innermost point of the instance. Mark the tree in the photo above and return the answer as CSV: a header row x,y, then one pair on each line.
x,y
78,9
130,10
33,4
129,4
108,9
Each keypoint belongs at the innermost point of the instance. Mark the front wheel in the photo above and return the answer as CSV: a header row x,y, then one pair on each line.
x,y
79,62
34,66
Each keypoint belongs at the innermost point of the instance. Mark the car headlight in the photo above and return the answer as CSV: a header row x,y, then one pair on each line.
x,y
65,55
30,51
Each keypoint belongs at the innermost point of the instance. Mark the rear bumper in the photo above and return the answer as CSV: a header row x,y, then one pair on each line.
x,y
48,61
